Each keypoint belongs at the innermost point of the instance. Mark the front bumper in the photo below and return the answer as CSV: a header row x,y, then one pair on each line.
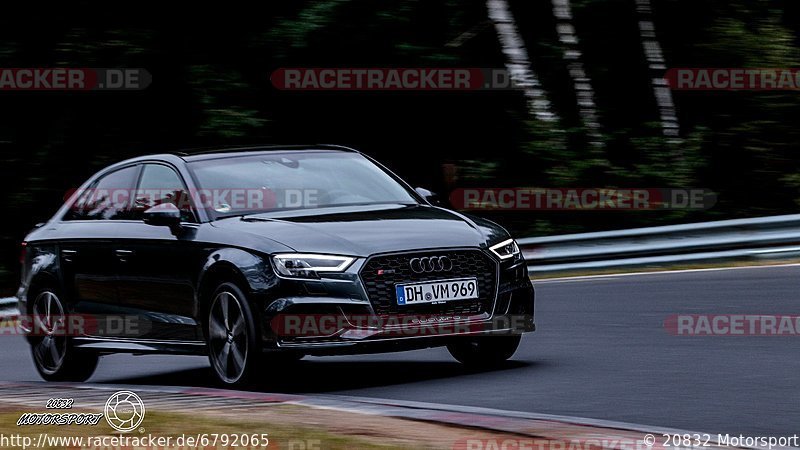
x,y
327,325
384,341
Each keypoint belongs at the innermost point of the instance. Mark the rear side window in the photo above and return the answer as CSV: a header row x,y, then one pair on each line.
x,y
160,184
109,198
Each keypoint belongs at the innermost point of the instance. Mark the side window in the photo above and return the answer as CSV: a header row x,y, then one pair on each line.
x,y
107,199
160,184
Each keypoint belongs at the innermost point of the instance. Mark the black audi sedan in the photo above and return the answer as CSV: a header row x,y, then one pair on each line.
x,y
260,256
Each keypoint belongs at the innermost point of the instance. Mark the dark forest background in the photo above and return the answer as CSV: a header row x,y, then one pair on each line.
x,y
210,67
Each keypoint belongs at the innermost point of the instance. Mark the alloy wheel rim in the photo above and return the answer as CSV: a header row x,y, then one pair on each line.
x,y
227,337
49,319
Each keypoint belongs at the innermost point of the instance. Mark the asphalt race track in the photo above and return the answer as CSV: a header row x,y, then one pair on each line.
x,y
601,352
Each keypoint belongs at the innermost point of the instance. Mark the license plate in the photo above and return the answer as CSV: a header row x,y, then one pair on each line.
x,y
437,291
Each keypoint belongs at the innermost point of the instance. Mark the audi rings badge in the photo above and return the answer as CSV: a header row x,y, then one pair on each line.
x,y
431,264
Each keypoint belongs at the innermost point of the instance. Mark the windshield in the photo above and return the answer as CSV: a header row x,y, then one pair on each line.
x,y
293,180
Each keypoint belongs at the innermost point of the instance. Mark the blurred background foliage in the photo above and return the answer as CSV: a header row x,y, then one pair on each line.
x,y
211,64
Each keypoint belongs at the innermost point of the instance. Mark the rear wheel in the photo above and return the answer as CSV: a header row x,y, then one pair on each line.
x,y
483,351
53,354
232,346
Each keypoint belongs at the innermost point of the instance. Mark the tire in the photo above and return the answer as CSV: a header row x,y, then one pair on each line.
x,y
53,354
233,349
483,351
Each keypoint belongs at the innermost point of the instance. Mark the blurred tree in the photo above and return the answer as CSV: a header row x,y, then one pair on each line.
x,y
211,86
518,62
582,84
657,66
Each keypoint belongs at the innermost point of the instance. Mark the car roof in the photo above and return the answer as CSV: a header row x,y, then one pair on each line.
x,y
201,154
212,153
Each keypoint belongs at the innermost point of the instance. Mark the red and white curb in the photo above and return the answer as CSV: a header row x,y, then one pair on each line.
x,y
574,432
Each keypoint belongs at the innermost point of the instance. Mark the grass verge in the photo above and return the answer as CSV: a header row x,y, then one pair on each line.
x,y
288,426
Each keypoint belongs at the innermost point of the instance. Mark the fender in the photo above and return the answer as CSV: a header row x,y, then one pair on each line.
x,y
44,267
254,270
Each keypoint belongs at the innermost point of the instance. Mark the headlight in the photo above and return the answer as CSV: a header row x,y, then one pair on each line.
x,y
300,265
506,249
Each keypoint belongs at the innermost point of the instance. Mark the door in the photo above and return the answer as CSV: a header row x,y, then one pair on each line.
x,y
156,267
86,237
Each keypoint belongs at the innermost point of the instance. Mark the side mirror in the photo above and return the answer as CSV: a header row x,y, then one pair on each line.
x,y
429,196
165,215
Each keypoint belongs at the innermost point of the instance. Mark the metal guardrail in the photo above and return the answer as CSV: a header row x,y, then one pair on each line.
x,y
8,307
696,242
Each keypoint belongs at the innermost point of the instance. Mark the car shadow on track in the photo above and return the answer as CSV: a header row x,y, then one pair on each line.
x,y
315,376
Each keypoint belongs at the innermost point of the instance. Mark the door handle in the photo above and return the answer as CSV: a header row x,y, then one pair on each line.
x,y
68,255
123,255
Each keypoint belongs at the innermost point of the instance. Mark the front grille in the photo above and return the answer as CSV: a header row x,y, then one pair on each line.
x,y
466,263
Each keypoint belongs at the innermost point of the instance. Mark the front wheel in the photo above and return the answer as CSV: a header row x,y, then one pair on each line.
x,y
483,351
232,344
53,354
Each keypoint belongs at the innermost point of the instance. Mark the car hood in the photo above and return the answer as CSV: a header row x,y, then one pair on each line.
x,y
363,231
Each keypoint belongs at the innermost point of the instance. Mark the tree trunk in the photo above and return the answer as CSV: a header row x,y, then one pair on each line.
x,y
580,81
657,66
518,62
